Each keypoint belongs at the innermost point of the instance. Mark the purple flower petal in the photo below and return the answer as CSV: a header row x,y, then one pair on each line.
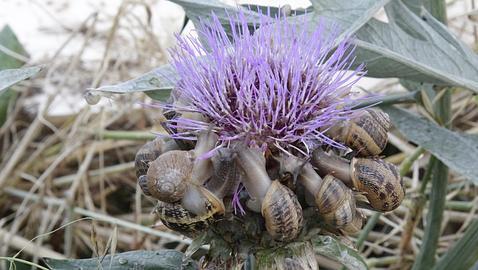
x,y
269,82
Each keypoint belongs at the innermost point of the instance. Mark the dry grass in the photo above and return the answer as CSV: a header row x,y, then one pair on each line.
x,y
68,183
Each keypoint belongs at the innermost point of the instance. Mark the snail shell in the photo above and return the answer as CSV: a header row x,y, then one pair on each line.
x,y
335,202
177,218
356,225
380,181
282,212
227,173
366,134
168,176
147,153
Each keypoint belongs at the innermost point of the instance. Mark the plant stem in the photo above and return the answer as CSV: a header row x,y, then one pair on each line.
x,y
126,135
367,229
426,257
407,163
415,211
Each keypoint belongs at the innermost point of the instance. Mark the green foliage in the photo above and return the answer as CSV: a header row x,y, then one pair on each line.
x,y
9,41
9,77
157,83
334,249
352,14
456,151
146,260
464,254
410,47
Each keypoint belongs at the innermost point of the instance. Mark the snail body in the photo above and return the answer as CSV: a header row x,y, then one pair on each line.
x,y
366,134
226,175
334,201
177,218
278,204
169,175
379,180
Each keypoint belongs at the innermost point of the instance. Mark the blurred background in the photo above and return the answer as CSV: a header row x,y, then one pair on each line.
x,y
66,169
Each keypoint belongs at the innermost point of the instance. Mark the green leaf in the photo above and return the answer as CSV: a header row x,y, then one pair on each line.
x,y
274,11
9,41
335,250
157,83
457,152
353,14
417,49
464,254
141,259
9,77
295,255
196,9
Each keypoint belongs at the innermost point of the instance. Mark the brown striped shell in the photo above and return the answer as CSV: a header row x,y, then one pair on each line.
x,y
356,225
335,202
168,176
147,153
282,212
177,218
366,134
380,181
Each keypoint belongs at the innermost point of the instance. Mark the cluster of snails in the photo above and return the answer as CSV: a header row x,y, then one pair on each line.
x,y
191,185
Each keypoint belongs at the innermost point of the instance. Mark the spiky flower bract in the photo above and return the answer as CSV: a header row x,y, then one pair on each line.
x,y
269,82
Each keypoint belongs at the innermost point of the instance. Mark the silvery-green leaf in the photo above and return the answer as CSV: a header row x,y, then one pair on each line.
x,y
463,254
459,153
10,42
140,259
9,77
414,5
155,83
274,11
411,48
352,14
196,9
335,250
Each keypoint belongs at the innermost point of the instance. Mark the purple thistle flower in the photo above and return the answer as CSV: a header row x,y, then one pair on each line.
x,y
273,83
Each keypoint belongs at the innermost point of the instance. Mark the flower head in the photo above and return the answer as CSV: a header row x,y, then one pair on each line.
x,y
269,82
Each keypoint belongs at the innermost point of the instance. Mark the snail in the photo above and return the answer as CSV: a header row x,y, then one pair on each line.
x,y
278,204
166,177
366,134
146,154
175,173
177,218
334,201
227,175
225,179
379,180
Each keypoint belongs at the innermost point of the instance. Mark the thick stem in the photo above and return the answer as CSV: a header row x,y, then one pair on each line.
x,y
334,165
257,181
